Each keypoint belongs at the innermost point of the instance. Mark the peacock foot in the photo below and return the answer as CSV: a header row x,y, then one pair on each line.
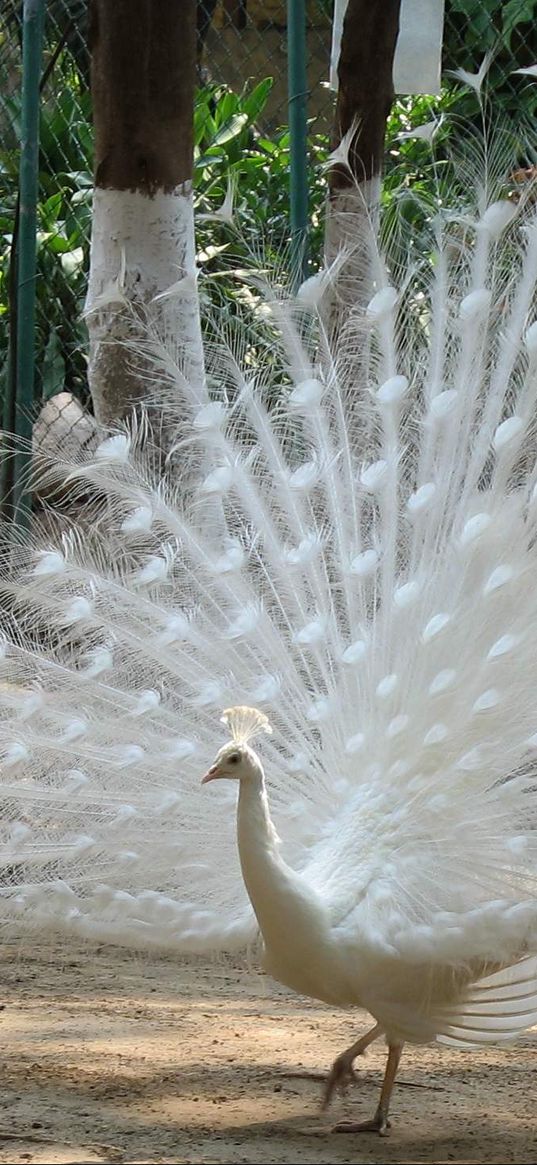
x,y
378,1124
341,1073
340,1076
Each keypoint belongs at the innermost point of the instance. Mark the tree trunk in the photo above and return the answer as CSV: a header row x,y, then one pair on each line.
x,y
365,97
143,69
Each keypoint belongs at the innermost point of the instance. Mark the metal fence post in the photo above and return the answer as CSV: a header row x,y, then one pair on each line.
x,y
32,50
298,134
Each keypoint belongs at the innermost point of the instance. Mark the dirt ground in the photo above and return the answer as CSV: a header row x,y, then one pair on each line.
x,y
111,1057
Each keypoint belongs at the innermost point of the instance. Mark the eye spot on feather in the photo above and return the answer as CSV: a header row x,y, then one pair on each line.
x,y
313,633
365,563
124,814
75,729
442,681
298,763
98,660
436,735
19,833
508,433
167,802
355,743
397,725
77,609
211,417
406,594
180,748
128,754
497,217
178,627
244,623
155,569
268,688
382,304
499,578
311,290
15,752
517,845
355,653
50,562
146,701
127,857
304,477
502,646
307,395
387,686
209,693
475,305
435,625
231,560
307,551
470,760
139,521
373,477
393,390
319,710
443,405
219,481
116,448
487,700
76,779
421,500
83,843
398,770
28,703
474,528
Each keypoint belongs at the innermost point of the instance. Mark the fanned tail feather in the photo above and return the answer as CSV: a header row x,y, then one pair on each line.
x,y
360,566
498,1008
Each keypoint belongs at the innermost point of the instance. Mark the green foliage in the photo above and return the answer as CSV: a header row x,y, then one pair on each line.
x,y
230,148
508,30
64,218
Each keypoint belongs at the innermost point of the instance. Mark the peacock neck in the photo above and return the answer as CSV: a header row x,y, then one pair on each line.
x,y
290,915
256,835
268,880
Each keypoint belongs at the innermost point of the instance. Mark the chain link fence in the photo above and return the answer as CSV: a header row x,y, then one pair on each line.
x,y
240,43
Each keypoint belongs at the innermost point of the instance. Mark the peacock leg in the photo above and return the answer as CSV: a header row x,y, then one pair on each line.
x,y
341,1073
379,1123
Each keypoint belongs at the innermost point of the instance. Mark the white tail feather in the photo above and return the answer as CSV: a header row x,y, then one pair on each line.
x,y
363,567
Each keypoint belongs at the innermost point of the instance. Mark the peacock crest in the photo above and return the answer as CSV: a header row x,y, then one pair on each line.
x,y
245,723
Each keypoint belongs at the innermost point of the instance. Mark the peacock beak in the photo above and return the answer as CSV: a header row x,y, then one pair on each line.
x,y
211,775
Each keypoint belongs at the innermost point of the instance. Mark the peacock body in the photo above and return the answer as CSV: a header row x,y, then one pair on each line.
x,y
343,536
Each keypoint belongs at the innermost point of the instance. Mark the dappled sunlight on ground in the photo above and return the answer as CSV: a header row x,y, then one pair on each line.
x,y
113,1057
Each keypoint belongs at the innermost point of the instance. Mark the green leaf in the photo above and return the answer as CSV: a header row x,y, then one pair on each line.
x,y
517,12
256,101
231,130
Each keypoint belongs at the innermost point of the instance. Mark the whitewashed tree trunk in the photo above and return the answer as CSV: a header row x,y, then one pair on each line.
x,y
142,269
142,272
365,96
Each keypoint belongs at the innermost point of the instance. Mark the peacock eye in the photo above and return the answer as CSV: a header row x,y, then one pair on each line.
x,y
234,758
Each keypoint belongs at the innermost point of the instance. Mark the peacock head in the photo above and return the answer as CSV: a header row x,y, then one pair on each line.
x,y
237,761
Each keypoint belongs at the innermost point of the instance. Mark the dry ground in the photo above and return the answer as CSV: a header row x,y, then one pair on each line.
x,y
109,1057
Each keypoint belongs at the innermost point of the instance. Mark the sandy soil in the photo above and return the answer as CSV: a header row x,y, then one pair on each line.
x,y
109,1057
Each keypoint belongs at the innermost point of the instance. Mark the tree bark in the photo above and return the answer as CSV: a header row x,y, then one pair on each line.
x,y
142,73
365,97
366,93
